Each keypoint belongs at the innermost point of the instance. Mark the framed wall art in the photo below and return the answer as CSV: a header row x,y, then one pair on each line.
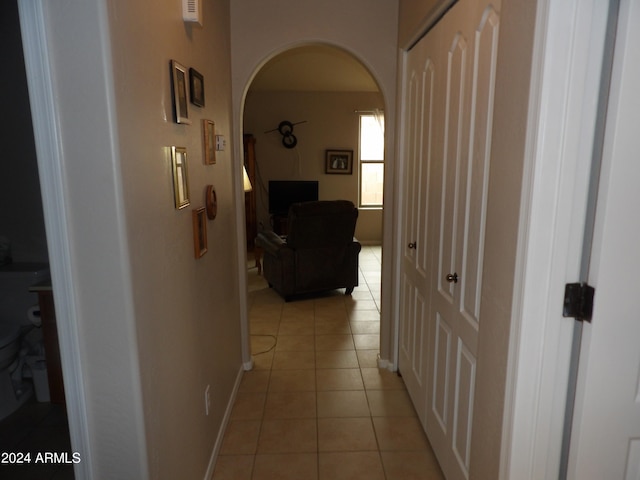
x,y
209,133
339,162
196,82
180,177
199,232
180,99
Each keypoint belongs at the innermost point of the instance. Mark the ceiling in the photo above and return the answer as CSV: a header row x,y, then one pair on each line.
x,y
314,68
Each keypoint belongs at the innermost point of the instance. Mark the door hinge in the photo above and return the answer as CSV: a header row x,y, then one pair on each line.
x,y
578,301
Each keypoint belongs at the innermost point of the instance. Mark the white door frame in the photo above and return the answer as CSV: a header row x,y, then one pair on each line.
x,y
566,72
46,131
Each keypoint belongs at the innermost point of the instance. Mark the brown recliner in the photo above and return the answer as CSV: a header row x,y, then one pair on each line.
x,y
319,253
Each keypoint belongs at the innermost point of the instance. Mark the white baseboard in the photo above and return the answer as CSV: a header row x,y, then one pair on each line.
x,y
223,425
386,364
248,365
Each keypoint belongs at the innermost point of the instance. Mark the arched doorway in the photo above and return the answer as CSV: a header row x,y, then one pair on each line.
x,y
322,92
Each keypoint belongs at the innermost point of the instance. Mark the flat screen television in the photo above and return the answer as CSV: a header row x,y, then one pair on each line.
x,y
283,193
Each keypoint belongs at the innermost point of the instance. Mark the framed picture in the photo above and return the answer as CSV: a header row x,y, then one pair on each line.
x,y
339,161
180,177
180,102
199,232
196,82
209,133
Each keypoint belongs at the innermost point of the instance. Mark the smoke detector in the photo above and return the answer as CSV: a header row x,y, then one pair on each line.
x,y
192,11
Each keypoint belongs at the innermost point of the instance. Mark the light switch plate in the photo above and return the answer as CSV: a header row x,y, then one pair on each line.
x,y
221,143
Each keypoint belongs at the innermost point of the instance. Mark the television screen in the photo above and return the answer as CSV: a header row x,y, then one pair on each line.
x,y
282,193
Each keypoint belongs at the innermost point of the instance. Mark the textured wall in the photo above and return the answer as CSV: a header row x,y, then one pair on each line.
x,y
186,310
155,325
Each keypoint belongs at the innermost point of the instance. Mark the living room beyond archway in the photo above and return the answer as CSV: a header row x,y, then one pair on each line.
x,y
320,94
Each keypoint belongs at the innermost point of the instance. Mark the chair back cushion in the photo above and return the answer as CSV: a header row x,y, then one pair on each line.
x,y
321,224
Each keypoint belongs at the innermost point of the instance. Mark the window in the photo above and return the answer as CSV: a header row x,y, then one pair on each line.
x,y
371,160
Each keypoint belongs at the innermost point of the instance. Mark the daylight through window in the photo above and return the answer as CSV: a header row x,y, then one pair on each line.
x,y
371,154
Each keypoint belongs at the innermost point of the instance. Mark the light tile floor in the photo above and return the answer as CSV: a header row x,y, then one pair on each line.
x,y
316,406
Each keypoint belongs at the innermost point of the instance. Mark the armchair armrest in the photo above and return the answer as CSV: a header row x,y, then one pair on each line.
x,y
271,242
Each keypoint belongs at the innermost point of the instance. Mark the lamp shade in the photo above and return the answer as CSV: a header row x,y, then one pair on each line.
x,y
245,180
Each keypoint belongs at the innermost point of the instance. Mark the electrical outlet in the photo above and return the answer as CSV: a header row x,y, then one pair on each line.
x,y
207,399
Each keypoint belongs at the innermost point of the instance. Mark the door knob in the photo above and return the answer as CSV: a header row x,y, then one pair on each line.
x,y
412,245
452,278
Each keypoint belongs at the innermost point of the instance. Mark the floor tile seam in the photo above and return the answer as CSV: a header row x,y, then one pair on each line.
x,y
294,390
375,415
280,335
317,437
345,451
340,390
255,453
318,452
375,433
293,417
297,351
378,389
334,417
372,282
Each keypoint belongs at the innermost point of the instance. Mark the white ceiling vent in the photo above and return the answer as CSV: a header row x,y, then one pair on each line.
x,y
192,11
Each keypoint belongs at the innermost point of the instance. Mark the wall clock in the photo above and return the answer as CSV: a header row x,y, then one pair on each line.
x,y
285,128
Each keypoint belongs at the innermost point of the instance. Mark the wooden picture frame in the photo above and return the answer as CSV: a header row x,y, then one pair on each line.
x,y
339,162
180,98
180,177
196,84
199,232
209,135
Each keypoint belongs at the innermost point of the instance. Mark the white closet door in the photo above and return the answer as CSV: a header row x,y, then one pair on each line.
x,y
447,206
421,102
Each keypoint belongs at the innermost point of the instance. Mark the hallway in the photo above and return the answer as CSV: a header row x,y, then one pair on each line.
x,y
316,406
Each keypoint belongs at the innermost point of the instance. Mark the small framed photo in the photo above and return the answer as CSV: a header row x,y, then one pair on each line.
x,y
339,162
209,133
199,232
180,177
180,99
196,82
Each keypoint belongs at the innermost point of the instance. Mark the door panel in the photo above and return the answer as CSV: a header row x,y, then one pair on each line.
x,y
451,157
415,230
424,161
414,333
441,369
449,85
463,410
485,58
450,189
